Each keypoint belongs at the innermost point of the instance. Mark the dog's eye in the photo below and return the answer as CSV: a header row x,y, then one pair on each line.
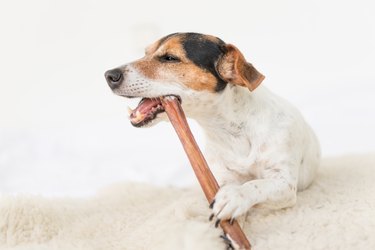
x,y
169,58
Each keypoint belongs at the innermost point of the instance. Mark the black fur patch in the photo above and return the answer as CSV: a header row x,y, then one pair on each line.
x,y
205,53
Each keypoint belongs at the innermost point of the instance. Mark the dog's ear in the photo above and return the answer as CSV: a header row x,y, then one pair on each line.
x,y
233,68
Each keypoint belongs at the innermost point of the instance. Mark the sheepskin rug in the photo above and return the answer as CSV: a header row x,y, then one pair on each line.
x,y
336,212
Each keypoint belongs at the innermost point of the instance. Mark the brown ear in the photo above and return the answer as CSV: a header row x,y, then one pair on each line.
x,y
233,68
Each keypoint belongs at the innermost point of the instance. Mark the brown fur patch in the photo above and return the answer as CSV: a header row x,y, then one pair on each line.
x,y
152,48
194,77
234,69
146,67
185,71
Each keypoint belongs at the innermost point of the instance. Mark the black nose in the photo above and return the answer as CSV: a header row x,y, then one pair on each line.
x,y
114,78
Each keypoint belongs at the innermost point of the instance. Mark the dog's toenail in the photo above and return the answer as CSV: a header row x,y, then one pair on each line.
x,y
212,204
217,223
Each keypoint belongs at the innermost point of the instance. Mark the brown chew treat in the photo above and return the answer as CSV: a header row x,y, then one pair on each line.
x,y
205,177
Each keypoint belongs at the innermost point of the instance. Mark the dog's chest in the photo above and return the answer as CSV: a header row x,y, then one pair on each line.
x,y
231,154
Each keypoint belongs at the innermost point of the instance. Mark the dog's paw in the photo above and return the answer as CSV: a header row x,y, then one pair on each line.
x,y
230,202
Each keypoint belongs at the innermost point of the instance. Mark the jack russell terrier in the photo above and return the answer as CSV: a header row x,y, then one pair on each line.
x,y
259,147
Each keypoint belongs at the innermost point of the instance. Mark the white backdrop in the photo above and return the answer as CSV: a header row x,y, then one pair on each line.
x,y
62,131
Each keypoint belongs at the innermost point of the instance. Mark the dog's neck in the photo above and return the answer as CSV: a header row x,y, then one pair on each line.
x,y
229,110
224,117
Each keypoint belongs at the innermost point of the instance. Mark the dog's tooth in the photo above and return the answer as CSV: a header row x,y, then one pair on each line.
x,y
138,115
130,111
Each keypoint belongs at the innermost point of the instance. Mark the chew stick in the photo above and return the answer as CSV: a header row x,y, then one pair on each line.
x,y
205,177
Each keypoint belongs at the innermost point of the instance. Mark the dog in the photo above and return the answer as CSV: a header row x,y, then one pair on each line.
x,y
259,147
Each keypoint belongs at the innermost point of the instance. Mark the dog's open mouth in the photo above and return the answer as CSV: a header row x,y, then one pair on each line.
x,y
146,111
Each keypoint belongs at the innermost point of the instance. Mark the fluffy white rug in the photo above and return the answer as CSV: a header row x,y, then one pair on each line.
x,y
336,212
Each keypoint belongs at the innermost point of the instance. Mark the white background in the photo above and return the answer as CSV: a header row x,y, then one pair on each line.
x,y
62,131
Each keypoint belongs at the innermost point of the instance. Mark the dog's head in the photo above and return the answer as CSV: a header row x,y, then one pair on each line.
x,y
187,65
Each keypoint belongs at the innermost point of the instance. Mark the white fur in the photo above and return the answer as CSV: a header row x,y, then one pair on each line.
x,y
258,146
260,149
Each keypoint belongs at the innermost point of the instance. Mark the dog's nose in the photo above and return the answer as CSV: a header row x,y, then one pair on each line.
x,y
114,78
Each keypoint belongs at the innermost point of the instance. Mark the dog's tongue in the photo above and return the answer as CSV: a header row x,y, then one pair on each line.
x,y
147,104
143,109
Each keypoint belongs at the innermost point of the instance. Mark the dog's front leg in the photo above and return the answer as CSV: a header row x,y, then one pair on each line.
x,y
234,200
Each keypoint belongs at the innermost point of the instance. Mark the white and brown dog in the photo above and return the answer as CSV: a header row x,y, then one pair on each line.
x,y
258,146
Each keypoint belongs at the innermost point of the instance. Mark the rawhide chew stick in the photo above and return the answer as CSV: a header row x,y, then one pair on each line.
x,y
205,177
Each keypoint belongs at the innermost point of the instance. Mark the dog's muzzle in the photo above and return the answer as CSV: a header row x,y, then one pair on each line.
x,y
114,78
